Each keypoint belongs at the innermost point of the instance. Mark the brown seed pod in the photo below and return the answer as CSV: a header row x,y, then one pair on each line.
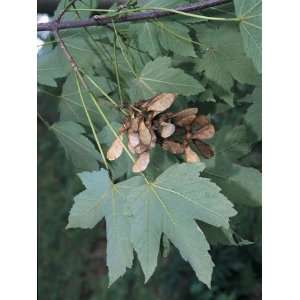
x,y
190,156
144,133
130,148
141,163
173,147
161,102
115,149
153,139
141,148
201,121
204,133
204,149
186,112
133,139
125,126
134,124
166,129
185,121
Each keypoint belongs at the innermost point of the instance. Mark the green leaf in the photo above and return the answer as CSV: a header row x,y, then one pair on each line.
x,y
159,3
224,59
71,108
104,199
78,148
71,15
170,205
51,65
249,11
146,35
175,37
222,236
158,76
253,117
153,35
232,142
242,185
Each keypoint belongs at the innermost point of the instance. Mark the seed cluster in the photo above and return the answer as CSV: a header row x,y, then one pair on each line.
x,y
150,124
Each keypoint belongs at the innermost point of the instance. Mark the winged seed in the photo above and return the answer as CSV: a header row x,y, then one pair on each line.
x,y
141,163
161,102
167,129
115,149
190,156
144,134
204,133
173,147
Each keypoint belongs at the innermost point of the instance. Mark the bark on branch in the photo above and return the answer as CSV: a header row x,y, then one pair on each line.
x,y
152,14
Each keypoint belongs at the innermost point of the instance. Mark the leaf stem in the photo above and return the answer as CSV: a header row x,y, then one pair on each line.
x,y
105,94
122,50
165,28
187,14
91,122
117,73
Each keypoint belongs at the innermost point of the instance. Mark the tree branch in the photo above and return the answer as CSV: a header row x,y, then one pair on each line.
x,y
152,14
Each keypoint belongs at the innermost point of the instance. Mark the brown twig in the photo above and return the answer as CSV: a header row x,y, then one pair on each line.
x,y
145,15
70,58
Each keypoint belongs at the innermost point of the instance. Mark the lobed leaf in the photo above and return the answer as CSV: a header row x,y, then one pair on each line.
x,y
170,205
159,77
79,149
249,12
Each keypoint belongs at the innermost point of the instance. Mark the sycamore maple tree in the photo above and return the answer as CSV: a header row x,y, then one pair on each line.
x,y
160,101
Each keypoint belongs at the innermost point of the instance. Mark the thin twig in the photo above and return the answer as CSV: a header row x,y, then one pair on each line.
x,y
69,57
144,15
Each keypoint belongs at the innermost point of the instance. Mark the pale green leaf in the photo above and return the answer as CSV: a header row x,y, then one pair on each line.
x,y
170,205
249,11
79,149
158,76
102,198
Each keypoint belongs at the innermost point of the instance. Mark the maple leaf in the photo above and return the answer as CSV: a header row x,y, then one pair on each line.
x,y
170,205
79,149
224,59
158,76
249,12
103,199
